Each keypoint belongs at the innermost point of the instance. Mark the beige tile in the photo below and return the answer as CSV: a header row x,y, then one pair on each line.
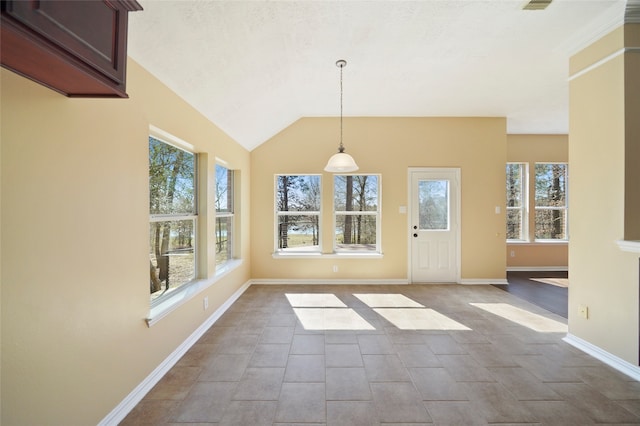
x,y
260,384
340,337
463,368
417,356
282,319
225,368
496,404
205,402
523,385
175,384
347,384
308,344
343,355
238,344
277,335
151,412
270,355
610,383
244,413
305,368
385,368
488,355
197,356
557,413
436,384
593,403
352,413
398,402
454,413
375,344
302,402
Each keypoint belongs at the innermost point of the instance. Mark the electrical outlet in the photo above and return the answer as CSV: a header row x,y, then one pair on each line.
x,y
205,303
335,268
584,311
513,253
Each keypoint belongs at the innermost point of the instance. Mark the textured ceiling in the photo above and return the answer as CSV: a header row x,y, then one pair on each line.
x,y
253,68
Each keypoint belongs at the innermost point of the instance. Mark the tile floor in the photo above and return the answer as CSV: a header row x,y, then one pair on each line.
x,y
387,355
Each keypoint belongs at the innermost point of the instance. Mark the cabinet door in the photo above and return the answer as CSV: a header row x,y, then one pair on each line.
x,y
86,29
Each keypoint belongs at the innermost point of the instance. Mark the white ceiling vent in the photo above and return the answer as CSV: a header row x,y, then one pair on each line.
x,y
537,5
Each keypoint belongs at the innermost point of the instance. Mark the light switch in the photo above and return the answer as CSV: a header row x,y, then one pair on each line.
x,y
402,210
497,209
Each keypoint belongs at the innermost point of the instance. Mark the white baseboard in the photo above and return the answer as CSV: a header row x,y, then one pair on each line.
x,y
537,268
130,401
483,281
300,281
611,360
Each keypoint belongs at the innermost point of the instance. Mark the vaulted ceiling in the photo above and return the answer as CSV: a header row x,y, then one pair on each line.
x,y
255,67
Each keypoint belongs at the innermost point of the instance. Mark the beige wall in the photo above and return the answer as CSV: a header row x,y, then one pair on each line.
x,y
75,246
533,149
388,146
602,277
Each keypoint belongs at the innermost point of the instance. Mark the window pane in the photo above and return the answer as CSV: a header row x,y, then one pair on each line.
x,y
433,196
298,232
356,232
298,193
551,185
514,224
171,254
514,185
224,234
171,179
356,193
550,224
224,189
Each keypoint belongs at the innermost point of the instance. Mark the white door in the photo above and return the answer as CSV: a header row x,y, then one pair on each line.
x,y
434,225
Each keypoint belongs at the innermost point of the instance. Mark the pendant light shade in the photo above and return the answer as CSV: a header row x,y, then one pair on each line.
x,y
341,162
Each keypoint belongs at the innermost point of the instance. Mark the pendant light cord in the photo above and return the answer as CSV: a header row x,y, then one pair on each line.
x,y
341,148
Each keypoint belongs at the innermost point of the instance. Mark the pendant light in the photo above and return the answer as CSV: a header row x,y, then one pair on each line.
x,y
341,162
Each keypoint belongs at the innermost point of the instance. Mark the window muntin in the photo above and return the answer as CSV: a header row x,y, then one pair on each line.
x,y
357,213
516,188
298,213
551,201
433,199
172,217
225,216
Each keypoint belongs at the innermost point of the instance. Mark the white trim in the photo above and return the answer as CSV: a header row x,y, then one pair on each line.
x,y
537,268
630,246
597,64
607,21
611,360
170,139
302,281
316,255
483,281
130,401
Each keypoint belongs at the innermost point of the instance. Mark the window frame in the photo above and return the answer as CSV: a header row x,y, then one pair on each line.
x,y
231,214
178,143
565,208
524,203
279,213
377,213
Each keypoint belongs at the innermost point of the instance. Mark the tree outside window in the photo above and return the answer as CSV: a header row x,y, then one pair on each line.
x,y
172,210
516,201
357,213
224,185
298,213
551,201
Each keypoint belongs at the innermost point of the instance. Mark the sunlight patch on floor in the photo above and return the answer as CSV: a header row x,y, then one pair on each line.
x,y
385,300
314,300
331,319
419,319
523,317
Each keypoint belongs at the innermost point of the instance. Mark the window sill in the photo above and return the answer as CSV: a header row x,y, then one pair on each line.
x,y
629,246
187,292
537,242
339,255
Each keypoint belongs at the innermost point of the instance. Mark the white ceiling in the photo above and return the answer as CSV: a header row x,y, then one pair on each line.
x,y
253,68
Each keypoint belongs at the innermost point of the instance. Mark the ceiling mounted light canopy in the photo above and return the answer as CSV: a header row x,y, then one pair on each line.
x,y
341,162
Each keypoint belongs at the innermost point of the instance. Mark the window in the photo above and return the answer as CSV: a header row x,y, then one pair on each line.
x,y
224,215
298,213
551,201
517,202
357,213
172,215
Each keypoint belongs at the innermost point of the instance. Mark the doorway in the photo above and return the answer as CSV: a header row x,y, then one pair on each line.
x,y
434,221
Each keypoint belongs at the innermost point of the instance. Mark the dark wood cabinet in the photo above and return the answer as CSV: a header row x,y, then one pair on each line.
x,y
78,48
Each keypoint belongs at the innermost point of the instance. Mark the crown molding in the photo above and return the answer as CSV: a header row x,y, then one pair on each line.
x,y
632,12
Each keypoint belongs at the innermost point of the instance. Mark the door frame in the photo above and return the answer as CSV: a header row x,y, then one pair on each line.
x,y
457,172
